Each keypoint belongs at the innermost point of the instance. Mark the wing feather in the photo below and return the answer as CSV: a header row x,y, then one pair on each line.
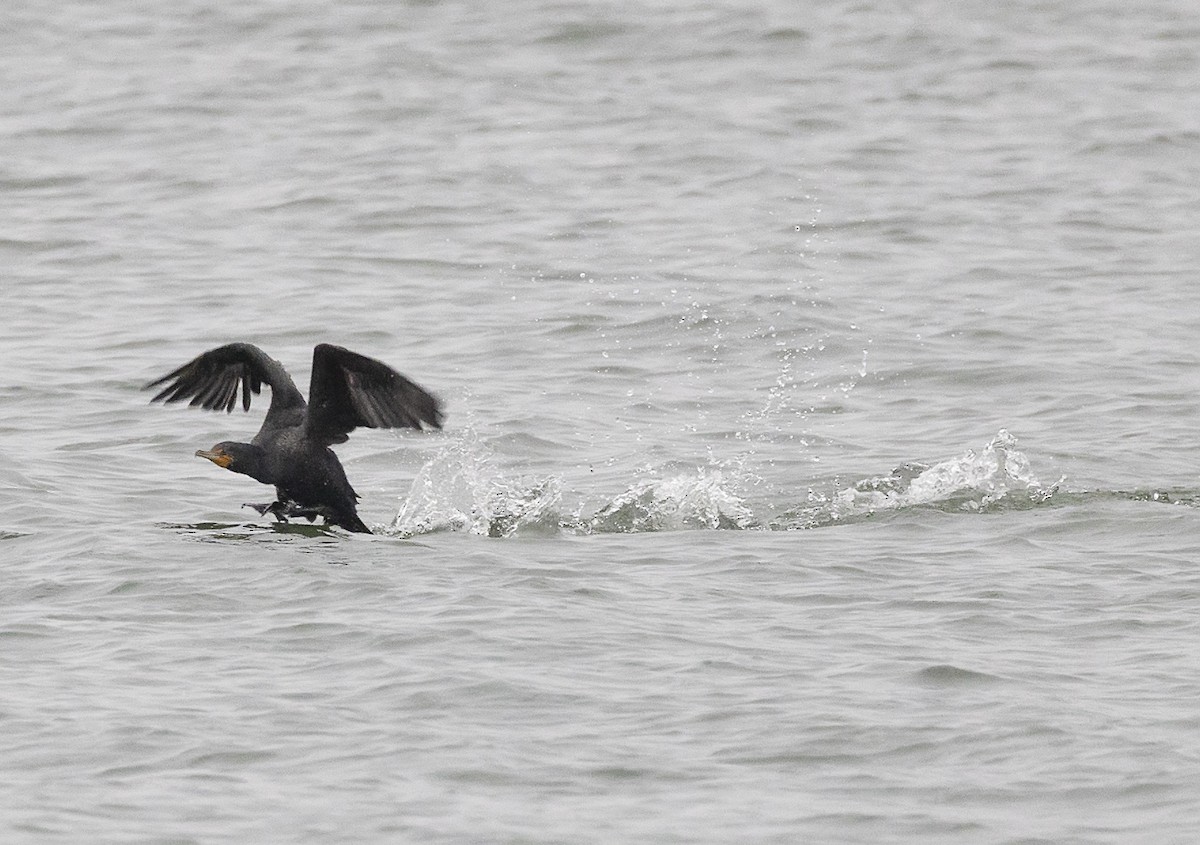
x,y
349,390
211,394
211,380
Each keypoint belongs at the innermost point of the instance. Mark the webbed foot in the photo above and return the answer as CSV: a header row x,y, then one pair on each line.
x,y
282,510
308,513
279,510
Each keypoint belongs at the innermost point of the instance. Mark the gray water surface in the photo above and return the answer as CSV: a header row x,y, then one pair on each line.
x,y
821,458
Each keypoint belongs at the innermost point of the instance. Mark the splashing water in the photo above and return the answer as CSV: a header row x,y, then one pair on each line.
x,y
700,500
460,490
997,476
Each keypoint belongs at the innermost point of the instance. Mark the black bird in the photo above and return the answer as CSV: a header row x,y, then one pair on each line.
x,y
291,450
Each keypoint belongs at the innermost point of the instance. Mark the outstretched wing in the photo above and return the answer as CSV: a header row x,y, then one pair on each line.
x,y
349,390
212,380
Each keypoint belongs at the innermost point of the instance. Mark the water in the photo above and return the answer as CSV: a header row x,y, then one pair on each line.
x,y
820,462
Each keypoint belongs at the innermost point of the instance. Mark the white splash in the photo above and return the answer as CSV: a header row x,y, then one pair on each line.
x,y
700,500
973,481
459,489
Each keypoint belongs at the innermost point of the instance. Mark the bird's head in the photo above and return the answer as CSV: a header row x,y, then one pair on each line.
x,y
237,457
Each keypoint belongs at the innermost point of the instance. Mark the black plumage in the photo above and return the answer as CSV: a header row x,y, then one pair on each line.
x,y
291,450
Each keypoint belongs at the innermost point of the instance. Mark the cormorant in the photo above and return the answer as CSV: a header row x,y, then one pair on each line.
x,y
291,450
